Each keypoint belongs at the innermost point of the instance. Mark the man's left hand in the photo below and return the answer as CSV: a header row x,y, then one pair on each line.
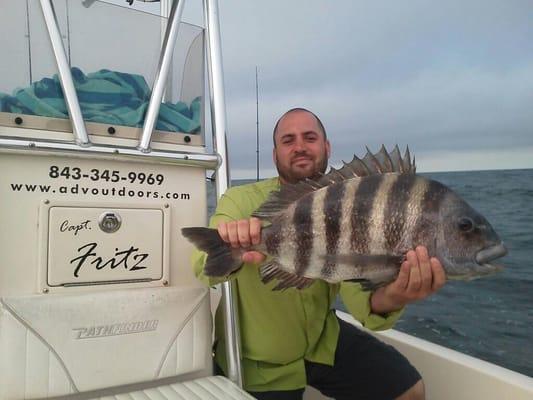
x,y
419,277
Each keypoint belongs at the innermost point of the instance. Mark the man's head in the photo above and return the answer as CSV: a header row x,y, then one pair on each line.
x,y
301,148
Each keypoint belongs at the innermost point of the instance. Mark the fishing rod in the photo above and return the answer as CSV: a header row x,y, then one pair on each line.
x,y
257,123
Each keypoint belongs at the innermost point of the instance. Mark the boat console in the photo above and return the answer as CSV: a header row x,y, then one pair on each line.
x,y
103,160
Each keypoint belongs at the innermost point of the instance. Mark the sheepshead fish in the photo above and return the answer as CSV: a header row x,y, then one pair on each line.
x,y
357,223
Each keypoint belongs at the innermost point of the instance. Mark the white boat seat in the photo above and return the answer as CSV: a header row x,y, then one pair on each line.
x,y
58,345
210,388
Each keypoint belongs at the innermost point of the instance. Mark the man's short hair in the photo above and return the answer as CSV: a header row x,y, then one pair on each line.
x,y
320,124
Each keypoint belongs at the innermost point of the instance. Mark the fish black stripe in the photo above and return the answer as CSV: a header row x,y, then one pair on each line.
x,y
362,210
273,238
430,205
396,210
433,197
332,221
303,223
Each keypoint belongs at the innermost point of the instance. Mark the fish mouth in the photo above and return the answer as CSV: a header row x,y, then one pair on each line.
x,y
491,253
482,264
487,255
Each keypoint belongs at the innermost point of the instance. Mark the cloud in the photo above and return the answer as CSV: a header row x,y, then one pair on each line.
x,y
449,79
436,112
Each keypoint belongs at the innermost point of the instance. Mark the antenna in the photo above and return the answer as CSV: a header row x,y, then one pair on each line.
x,y
29,40
257,123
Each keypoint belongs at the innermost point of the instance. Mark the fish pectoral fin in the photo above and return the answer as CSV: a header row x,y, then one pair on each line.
x,y
286,280
365,260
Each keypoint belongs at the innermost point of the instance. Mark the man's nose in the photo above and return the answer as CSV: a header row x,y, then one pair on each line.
x,y
299,145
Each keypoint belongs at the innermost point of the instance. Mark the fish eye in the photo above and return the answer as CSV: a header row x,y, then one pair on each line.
x,y
466,224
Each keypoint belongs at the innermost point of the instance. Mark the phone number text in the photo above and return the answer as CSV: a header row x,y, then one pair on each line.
x,y
107,175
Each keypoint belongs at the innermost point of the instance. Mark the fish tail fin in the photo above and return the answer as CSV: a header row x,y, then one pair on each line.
x,y
222,259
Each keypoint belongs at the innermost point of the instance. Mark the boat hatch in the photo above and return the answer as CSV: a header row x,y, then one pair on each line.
x,y
91,246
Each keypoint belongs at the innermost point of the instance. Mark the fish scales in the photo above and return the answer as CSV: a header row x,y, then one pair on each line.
x,y
318,232
332,211
337,219
376,224
414,220
303,222
345,244
357,223
274,239
317,236
434,194
396,210
372,201
362,209
286,249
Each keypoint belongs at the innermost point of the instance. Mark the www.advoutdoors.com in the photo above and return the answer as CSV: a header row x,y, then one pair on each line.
x,y
93,191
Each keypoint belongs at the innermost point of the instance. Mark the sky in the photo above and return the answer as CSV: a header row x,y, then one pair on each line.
x,y
452,80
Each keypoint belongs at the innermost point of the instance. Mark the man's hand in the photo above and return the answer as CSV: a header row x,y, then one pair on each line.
x,y
243,233
419,277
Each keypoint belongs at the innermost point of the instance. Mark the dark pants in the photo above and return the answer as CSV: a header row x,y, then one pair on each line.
x,y
365,368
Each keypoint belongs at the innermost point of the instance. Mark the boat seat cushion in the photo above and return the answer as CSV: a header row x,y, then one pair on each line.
x,y
55,345
210,388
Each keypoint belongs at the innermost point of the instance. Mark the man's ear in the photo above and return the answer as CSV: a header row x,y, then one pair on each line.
x,y
274,158
328,149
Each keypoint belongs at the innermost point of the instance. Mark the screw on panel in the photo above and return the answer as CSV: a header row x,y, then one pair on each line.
x,y
111,130
19,121
167,205
31,144
165,283
185,157
187,139
46,201
46,290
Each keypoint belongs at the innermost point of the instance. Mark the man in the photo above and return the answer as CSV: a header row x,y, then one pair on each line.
x,y
292,338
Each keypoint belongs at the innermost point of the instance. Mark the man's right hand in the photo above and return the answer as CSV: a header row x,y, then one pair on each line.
x,y
243,233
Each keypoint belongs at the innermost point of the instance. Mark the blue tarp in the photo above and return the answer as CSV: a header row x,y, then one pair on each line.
x,y
109,97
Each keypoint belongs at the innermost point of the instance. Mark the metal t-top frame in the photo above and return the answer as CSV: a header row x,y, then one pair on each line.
x,y
218,125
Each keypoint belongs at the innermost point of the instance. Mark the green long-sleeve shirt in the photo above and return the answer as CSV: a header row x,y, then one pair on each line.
x,y
281,329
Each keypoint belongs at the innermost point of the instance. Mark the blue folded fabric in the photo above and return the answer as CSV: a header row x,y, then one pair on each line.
x,y
109,97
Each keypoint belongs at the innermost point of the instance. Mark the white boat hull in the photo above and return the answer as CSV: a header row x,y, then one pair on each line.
x,y
449,374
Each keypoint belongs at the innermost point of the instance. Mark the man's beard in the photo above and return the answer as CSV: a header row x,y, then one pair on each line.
x,y
291,177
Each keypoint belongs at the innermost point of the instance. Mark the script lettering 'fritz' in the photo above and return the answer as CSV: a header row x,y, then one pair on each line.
x,y
122,258
357,223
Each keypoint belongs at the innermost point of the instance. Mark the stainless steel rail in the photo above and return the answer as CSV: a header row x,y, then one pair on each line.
x,y
65,76
207,161
171,34
218,118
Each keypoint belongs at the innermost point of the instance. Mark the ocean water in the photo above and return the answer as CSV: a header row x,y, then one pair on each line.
x,y
489,318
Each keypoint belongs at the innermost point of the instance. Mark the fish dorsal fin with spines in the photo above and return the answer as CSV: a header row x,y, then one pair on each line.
x,y
371,164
